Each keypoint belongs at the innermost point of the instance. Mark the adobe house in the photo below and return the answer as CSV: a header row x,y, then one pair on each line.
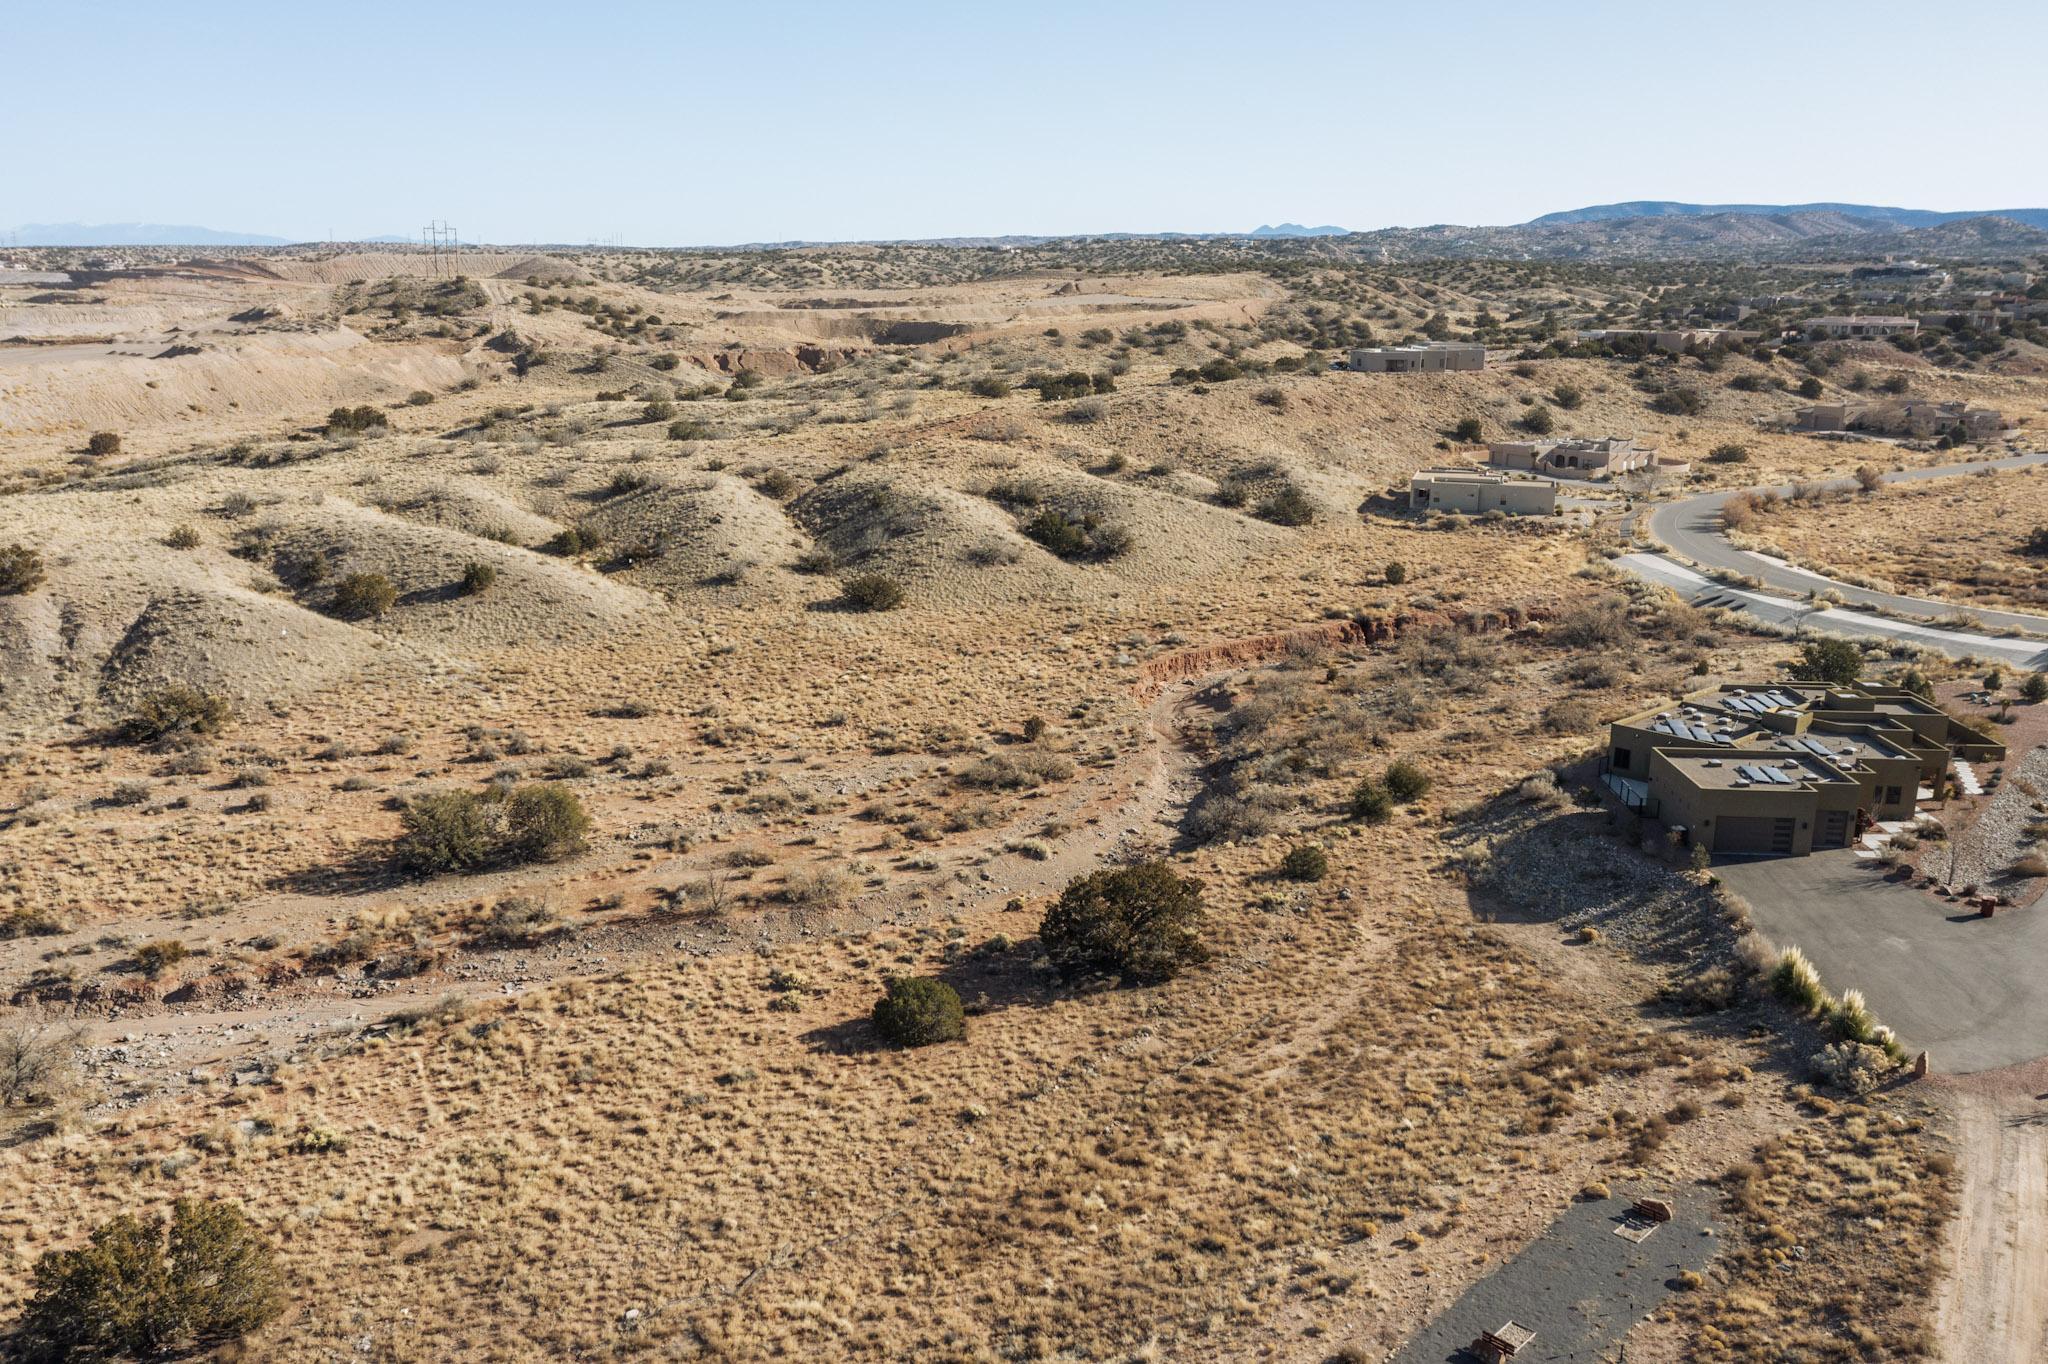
x,y
1571,457
1478,491
1784,769
1860,325
1428,358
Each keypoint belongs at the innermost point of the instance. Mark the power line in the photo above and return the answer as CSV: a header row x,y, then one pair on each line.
x,y
441,242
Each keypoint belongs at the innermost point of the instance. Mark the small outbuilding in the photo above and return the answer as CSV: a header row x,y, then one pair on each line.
x,y
1477,491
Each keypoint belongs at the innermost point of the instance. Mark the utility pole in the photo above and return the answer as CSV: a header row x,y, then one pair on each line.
x,y
440,240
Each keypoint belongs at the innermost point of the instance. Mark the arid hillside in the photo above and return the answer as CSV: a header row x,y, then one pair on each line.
x,y
477,737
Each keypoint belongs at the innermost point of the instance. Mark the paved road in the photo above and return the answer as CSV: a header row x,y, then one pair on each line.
x,y
1691,529
1578,1284
1962,988
1701,590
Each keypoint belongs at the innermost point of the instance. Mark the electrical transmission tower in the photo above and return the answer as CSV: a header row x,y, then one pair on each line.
x,y
441,242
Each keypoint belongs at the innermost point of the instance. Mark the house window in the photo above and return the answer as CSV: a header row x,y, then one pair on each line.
x,y
1891,795
1622,758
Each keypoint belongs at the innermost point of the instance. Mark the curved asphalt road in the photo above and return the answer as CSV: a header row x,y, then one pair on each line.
x,y
1690,529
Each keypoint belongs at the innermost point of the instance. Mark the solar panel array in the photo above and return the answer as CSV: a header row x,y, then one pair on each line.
x,y
1765,776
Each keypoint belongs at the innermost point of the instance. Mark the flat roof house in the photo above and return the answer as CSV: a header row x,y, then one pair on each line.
x,y
1427,358
1902,417
1572,457
1784,769
1478,491
1861,325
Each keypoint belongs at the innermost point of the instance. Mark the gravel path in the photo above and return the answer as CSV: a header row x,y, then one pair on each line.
x,y
1999,835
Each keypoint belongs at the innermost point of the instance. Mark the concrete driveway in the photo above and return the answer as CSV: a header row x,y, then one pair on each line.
x,y
1969,991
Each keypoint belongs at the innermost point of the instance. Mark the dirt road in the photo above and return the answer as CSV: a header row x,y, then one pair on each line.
x,y
1993,1306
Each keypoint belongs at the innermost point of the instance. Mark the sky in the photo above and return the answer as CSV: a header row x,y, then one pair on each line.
x,y
701,124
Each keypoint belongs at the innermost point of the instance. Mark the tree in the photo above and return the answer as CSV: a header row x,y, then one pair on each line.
x,y
125,1293
448,831
916,1011
364,596
1835,661
174,712
1142,921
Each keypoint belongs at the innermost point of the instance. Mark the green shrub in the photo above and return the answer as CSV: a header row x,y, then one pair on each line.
x,y
1406,782
344,421
1537,421
1809,387
1468,431
1305,863
990,386
916,1011
155,958
125,1293
478,577
174,712
1142,921
1567,397
689,428
21,570
1087,538
2034,688
871,592
516,922
1370,803
1679,402
1057,387
1288,507
1729,452
182,537
1794,980
658,410
363,596
544,822
449,831
1395,573
102,444
572,541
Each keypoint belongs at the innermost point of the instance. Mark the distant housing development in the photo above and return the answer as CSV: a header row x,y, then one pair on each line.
x,y
1429,357
1785,768
1671,339
1477,491
1860,326
1917,417
1572,457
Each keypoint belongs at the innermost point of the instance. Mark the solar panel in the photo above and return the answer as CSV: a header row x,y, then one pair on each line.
x,y
1815,746
1703,734
1778,775
1750,771
1779,698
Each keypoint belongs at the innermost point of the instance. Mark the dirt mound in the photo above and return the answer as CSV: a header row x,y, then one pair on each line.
x,y
945,544
532,598
234,643
471,506
709,532
1171,536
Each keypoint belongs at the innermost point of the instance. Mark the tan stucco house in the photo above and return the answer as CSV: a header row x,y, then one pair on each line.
x,y
1784,769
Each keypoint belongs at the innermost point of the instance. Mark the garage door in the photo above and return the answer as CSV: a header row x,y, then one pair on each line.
x,y
1753,835
1833,831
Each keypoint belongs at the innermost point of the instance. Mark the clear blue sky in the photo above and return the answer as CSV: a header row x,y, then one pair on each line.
x,y
682,123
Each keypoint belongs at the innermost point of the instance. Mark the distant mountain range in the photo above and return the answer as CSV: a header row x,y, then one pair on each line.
x,y
1899,217
1638,230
